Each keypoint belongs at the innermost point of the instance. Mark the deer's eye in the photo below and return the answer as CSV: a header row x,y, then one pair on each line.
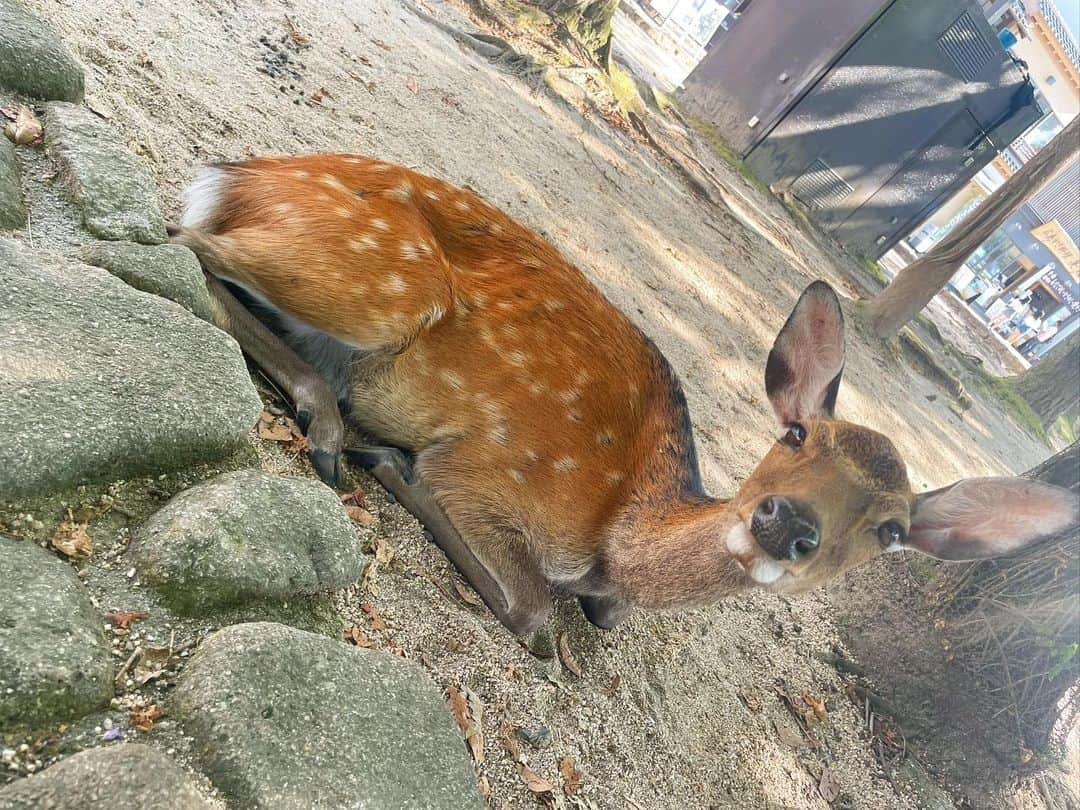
x,y
795,436
889,534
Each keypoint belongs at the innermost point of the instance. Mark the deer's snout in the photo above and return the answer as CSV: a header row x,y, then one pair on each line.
x,y
785,529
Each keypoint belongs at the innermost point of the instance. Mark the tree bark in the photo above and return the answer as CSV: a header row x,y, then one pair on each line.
x,y
919,282
589,22
1052,386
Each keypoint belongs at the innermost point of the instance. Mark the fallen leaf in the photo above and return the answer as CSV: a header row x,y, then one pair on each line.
x,y
378,43
72,540
144,719
467,710
271,429
829,786
567,657
410,83
467,596
373,615
612,687
357,497
571,776
357,637
533,781
360,516
152,664
298,39
384,552
817,706
509,741
122,619
25,129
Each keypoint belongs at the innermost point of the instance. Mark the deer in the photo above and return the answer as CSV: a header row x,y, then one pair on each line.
x,y
538,434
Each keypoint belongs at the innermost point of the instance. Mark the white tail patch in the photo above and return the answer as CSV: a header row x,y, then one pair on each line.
x,y
203,196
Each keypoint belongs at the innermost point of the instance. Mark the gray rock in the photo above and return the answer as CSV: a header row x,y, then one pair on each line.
x,y
109,184
54,662
171,271
12,210
33,60
128,775
281,718
248,536
100,381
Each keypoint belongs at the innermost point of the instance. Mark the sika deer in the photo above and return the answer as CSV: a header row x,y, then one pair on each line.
x,y
540,436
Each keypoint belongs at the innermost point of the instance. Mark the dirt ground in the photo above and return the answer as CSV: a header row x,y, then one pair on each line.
x,y
671,711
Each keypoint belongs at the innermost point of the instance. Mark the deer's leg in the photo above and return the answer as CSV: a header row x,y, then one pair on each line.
x,y
510,584
606,612
317,411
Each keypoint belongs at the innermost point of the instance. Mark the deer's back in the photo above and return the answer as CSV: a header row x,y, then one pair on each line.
x,y
528,397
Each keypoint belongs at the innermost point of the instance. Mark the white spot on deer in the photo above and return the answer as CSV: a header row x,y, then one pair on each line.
x,y
553,305
462,205
517,358
433,315
537,388
565,464
395,283
506,306
380,224
573,415
409,251
284,209
431,195
499,435
300,174
330,181
605,438
581,377
343,212
403,190
453,379
531,455
516,475
363,242
613,476
426,247
570,395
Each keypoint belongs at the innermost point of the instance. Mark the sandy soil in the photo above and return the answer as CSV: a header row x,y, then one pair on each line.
x,y
672,711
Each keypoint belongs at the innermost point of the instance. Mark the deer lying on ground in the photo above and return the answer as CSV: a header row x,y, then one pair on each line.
x,y
541,437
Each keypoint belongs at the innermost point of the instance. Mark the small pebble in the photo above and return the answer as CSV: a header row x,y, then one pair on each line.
x,y
539,737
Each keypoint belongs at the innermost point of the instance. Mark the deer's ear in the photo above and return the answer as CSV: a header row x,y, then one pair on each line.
x,y
802,375
988,517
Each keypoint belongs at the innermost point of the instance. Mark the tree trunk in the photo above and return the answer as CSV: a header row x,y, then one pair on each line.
x,y
589,22
919,282
1052,386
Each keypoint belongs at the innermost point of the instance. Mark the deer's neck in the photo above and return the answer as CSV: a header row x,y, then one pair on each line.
x,y
675,555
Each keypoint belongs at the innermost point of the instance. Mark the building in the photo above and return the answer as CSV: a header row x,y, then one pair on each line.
x,y
870,113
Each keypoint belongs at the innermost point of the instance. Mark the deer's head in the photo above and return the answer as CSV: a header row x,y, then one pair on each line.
x,y
831,494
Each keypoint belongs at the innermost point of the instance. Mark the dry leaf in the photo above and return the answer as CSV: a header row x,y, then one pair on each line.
x,y
410,83
829,786
122,619
271,429
357,637
360,516
357,497
571,776
72,540
567,657
144,719
509,741
613,687
26,128
485,787
467,596
533,781
152,664
380,44
818,706
468,710
384,552
373,615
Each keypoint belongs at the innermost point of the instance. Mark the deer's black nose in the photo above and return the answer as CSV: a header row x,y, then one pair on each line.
x,y
786,529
